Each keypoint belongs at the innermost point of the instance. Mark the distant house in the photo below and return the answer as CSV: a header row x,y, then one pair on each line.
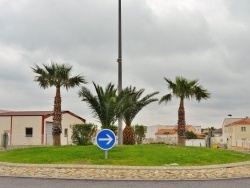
x,y
217,132
169,134
217,138
150,133
237,131
227,121
35,127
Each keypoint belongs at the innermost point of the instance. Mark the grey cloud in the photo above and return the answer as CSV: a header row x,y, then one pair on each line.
x,y
182,33
187,42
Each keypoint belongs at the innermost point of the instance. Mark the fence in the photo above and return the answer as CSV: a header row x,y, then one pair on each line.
x,y
196,142
244,144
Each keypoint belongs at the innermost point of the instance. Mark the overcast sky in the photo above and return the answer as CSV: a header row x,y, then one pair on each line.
x,y
207,40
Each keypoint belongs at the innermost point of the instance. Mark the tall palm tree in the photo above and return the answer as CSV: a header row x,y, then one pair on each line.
x,y
105,105
57,75
132,105
183,88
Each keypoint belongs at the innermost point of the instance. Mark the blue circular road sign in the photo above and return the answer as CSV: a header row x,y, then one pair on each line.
x,y
105,139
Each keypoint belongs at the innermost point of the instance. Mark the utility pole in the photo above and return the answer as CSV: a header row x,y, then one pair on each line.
x,y
119,60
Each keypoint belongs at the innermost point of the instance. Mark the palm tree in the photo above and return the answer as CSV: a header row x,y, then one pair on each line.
x,y
105,105
56,75
132,105
183,88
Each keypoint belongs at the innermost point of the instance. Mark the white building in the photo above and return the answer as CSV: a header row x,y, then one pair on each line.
x,y
197,129
238,133
226,122
151,130
35,127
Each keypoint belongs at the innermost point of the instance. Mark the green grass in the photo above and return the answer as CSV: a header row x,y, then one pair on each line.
x,y
138,155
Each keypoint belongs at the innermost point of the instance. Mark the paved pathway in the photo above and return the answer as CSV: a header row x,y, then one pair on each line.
x,y
235,170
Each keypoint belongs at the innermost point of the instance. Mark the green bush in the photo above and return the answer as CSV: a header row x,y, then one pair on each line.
x,y
140,131
83,134
190,135
114,128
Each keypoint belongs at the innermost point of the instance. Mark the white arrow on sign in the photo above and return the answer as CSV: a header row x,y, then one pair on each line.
x,y
109,139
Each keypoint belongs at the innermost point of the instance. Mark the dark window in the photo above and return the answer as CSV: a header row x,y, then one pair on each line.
x,y
66,132
243,129
28,132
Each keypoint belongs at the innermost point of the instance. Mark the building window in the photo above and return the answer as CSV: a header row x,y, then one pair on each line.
x,y
29,132
243,129
65,132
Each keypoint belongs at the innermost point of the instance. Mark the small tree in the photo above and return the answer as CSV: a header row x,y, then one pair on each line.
x,y
140,131
114,128
190,135
82,134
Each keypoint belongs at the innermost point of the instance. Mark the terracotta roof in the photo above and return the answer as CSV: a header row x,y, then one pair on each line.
x,y
230,120
245,121
164,131
26,113
45,114
172,130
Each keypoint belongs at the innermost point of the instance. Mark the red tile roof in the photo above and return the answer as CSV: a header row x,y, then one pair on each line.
x,y
36,113
165,131
26,113
173,130
245,121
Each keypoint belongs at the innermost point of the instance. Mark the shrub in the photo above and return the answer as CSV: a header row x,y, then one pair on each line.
x,y
140,131
114,128
83,134
190,135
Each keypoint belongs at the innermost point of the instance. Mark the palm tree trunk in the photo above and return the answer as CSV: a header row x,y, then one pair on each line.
x,y
128,135
57,119
181,124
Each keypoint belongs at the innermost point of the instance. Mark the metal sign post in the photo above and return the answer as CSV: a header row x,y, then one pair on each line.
x,y
106,154
119,60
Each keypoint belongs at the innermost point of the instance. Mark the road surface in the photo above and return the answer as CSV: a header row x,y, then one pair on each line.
x,y
13,182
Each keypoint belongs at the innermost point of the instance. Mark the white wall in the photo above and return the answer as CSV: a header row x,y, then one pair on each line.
x,y
168,139
5,124
197,129
243,144
196,142
4,127
20,123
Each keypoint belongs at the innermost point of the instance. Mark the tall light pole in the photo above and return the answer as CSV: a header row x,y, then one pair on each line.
x,y
119,60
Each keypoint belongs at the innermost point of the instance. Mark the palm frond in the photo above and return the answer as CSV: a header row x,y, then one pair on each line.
x,y
133,103
166,98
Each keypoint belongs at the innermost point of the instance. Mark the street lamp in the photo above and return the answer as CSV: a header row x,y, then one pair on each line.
x,y
119,60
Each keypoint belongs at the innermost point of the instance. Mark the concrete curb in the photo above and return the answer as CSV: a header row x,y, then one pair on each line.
x,y
167,167
104,172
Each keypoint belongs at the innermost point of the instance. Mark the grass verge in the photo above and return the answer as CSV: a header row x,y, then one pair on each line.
x,y
137,155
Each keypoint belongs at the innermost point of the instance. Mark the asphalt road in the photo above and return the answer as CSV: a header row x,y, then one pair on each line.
x,y
12,182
